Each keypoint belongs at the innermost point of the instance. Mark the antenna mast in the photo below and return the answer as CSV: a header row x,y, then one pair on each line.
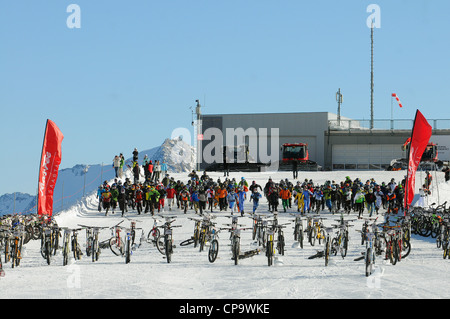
x,y
371,78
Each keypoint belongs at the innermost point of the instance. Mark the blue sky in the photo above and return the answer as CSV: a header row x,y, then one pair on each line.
x,y
128,76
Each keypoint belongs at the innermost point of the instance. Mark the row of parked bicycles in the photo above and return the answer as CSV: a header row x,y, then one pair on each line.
x,y
433,222
17,231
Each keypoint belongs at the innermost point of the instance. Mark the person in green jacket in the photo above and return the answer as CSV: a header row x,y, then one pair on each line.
x,y
114,197
359,201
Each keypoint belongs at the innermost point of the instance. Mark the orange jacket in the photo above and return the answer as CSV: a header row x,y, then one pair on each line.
x,y
285,194
222,193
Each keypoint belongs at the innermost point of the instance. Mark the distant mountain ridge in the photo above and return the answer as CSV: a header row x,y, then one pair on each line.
x,y
83,179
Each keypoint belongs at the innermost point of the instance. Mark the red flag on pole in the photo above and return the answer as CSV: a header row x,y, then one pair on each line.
x,y
48,170
420,137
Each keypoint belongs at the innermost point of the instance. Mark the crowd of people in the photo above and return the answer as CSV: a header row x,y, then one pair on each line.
x,y
201,193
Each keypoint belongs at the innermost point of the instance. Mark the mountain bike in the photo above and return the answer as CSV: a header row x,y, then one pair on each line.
x,y
95,253
4,242
167,243
281,243
205,231
270,247
194,239
340,241
46,244
16,246
298,230
327,244
128,240
258,229
66,249
446,240
70,242
317,231
214,245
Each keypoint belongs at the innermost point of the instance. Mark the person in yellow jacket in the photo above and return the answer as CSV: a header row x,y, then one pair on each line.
x,y
300,199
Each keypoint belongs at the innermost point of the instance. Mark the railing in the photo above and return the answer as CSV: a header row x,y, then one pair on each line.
x,y
364,125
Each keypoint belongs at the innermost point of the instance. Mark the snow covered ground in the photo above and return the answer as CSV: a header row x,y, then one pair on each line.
x,y
423,274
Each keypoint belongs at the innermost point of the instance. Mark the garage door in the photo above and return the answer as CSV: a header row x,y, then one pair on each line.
x,y
365,157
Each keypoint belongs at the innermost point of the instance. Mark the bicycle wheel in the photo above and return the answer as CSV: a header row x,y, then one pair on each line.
x,y
334,246
13,253
187,242
168,248
116,246
213,251
160,245
89,246
153,235
65,253
281,244
128,251
406,248
344,245
236,252
327,252
300,237
312,236
369,261
321,236
47,251
395,252
202,240
269,252
389,252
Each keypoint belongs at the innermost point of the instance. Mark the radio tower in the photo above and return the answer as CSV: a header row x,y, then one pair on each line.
x,y
198,135
371,78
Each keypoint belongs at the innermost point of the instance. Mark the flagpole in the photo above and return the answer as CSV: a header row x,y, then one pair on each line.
x,y
40,166
392,113
407,173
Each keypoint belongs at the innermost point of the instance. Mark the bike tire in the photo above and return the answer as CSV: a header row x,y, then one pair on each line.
x,y
187,242
47,252
117,249
128,252
300,238
368,261
160,245
153,234
334,246
236,252
269,253
213,251
327,252
406,248
168,248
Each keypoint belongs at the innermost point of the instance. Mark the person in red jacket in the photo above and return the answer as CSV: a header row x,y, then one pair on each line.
x,y
150,170
170,196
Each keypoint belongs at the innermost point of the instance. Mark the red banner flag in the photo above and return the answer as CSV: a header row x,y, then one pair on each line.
x,y
48,170
420,137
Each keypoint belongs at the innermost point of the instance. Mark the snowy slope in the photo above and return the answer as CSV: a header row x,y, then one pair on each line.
x,y
191,276
83,179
